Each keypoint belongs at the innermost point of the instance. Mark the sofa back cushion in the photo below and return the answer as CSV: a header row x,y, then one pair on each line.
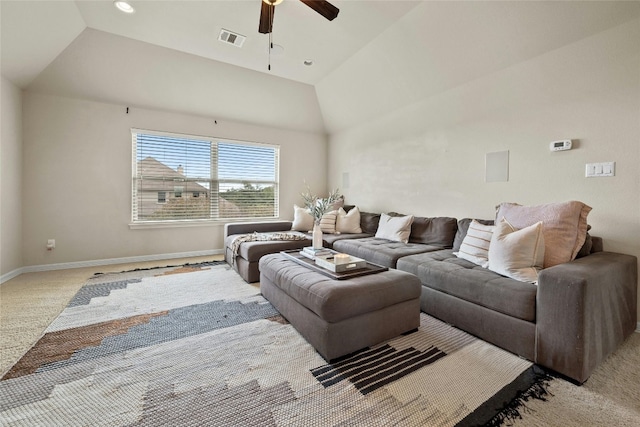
x,y
463,226
439,231
436,231
259,226
369,222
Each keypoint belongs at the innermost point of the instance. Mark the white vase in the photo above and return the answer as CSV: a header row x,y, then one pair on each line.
x,y
317,236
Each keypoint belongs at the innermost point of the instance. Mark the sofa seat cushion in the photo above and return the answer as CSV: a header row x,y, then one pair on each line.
x,y
444,272
381,251
330,239
253,251
337,300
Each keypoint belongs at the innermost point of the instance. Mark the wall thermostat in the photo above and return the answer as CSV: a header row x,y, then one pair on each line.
x,y
565,144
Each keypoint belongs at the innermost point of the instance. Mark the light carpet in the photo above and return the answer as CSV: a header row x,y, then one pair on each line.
x,y
198,346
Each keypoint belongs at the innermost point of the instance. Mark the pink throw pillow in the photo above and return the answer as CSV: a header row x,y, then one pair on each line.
x,y
564,226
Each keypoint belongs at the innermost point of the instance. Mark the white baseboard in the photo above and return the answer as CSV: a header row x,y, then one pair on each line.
x,y
10,275
109,261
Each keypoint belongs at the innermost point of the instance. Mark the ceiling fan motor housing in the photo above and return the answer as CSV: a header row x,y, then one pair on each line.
x,y
323,7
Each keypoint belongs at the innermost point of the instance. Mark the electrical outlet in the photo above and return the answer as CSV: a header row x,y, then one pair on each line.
x,y
51,244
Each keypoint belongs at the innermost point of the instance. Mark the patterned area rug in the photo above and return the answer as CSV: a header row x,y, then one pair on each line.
x,y
197,346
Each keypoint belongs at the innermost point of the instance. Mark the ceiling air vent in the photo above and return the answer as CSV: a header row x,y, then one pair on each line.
x,y
231,37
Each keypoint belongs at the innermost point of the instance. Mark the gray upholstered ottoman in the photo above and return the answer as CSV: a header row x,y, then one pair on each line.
x,y
339,317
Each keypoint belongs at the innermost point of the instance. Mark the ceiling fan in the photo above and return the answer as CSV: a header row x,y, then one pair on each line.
x,y
323,7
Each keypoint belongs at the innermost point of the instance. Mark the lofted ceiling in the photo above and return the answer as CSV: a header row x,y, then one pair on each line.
x,y
375,57
44,28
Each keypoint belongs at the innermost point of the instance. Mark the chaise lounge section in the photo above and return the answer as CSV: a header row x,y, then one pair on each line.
x,y
245,259
577,314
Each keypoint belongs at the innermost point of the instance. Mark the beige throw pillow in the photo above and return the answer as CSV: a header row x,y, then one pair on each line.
x,y
564,226
302,219
396,228
518,254
328,222
348,222
475,245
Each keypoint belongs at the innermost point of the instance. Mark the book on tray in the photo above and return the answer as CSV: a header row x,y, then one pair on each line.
x,y
311,253
316,252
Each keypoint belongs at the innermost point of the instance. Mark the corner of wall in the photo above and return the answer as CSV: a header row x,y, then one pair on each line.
x,y
11,178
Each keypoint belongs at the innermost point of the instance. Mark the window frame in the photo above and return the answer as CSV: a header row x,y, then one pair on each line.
x,y
215,183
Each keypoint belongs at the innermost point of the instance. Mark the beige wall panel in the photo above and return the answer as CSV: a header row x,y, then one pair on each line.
x,y
78,178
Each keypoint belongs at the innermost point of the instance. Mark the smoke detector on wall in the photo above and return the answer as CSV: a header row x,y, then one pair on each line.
x,y
230,37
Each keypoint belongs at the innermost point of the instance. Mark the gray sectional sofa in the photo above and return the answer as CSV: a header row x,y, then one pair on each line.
x,y
570,321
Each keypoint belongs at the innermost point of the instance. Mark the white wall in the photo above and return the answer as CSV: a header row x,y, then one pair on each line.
x,y
428,158
77,177
10,178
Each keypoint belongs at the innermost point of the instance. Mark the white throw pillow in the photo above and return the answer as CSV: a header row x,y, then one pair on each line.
x,y
518,254
302,219
475,245
328,222
396,228
348,222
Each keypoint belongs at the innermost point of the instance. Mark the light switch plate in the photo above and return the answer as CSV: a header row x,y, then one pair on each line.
x,y
593,170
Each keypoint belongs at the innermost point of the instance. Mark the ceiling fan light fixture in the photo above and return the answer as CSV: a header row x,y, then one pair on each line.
x,y
124,6
272,2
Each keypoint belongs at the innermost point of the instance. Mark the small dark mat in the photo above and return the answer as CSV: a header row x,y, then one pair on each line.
x,y
529,385
194,265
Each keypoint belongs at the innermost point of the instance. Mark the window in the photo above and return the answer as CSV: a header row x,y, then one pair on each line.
x,y
186,178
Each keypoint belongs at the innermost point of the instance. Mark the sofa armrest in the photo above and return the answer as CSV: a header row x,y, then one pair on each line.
x,y
259,226
585,309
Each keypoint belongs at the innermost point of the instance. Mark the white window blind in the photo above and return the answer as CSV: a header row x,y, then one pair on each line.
x,y
186,178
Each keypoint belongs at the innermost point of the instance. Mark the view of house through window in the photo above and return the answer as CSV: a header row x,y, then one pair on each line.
x,y
182,177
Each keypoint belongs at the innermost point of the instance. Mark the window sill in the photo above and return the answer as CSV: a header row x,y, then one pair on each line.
x,y
174,224
192,223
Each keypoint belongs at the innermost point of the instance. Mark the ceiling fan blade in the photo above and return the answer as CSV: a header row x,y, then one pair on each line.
x,y
266,18
323,7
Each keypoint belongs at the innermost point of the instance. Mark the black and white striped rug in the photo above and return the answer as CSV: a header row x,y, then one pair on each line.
x,y
197,346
